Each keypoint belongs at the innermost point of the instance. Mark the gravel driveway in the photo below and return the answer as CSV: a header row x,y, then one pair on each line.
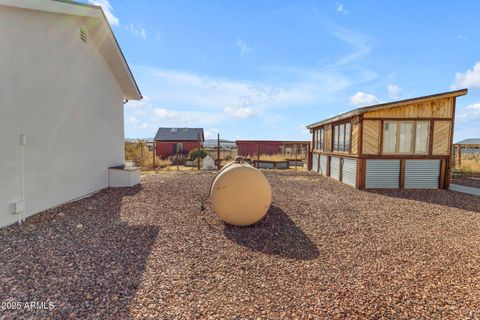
x,y
324,250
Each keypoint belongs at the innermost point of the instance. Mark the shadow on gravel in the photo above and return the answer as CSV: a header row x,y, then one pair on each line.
x,y
447,198
275,234
81,257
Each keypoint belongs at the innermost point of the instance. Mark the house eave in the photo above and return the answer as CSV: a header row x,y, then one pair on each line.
x,y
97,25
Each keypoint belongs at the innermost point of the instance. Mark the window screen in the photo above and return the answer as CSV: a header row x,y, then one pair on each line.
x,y
389,137
348,129
421,137
335,138
341,137
405,139
409,137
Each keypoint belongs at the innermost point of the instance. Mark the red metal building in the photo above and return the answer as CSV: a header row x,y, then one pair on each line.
x,y
249,147
170,141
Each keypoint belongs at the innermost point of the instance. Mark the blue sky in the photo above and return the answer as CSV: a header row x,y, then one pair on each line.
x,y
265,69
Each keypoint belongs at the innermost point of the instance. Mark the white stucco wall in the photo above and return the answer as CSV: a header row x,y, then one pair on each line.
x,y
58,91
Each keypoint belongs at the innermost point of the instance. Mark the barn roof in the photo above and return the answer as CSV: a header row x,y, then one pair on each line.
x,y
470,141
98,29
388,105
179,134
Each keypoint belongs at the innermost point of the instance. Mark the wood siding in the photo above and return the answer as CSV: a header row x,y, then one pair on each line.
x,y
439,108
441,137
328,138
371,137
355,133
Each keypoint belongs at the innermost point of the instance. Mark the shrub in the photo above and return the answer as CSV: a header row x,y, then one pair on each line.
x,y
180,159
197,153
470,164
140,153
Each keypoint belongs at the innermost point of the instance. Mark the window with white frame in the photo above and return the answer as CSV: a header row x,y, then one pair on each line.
x,y
406,137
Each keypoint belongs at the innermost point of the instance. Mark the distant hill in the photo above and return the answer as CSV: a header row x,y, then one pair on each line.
x,y
210,143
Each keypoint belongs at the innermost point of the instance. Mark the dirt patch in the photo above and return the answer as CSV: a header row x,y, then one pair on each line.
x,y
324,250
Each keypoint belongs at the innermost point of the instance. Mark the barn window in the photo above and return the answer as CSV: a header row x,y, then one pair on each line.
x,y
341,137
406,137
319,139
179,147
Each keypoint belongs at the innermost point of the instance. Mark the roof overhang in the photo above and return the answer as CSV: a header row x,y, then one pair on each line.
x,y
98,29
388,105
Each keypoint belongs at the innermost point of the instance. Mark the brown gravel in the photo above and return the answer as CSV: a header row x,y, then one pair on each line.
x,y
325,250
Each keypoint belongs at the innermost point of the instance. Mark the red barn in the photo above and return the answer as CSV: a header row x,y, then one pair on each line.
x,y
170,141
249,147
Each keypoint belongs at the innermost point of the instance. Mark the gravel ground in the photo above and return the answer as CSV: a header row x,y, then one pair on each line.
x,y
469,180
324,250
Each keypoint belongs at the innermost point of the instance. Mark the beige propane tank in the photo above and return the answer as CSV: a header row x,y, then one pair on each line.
x,y
240,194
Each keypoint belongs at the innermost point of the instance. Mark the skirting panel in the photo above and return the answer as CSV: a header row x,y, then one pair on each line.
x,y
422,174
382,174
323,165
349,171
335,167
315,158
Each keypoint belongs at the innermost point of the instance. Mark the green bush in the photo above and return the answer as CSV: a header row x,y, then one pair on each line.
x,y
197,153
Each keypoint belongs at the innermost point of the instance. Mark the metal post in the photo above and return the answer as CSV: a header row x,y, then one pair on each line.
x,y
199,148
309,158
218,151
459,150
258,155
296,153
176,157
154,155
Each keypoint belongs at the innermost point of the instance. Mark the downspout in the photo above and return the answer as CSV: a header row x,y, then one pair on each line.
x,y
23,142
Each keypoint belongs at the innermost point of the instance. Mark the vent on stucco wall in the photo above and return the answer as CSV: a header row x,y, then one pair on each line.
x,y
83,35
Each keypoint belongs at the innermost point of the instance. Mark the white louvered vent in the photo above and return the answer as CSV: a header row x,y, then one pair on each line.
x,y
83,35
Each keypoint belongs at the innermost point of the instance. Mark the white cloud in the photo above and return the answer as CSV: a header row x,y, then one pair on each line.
x,y
165,114
272,118
240,113
305,131
168,117
360,43
469,113
139,107
136,123
108,10
394,91
138,104
468,119
363,99
341,8
137,30
468,79
298,87
243,46
211,133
